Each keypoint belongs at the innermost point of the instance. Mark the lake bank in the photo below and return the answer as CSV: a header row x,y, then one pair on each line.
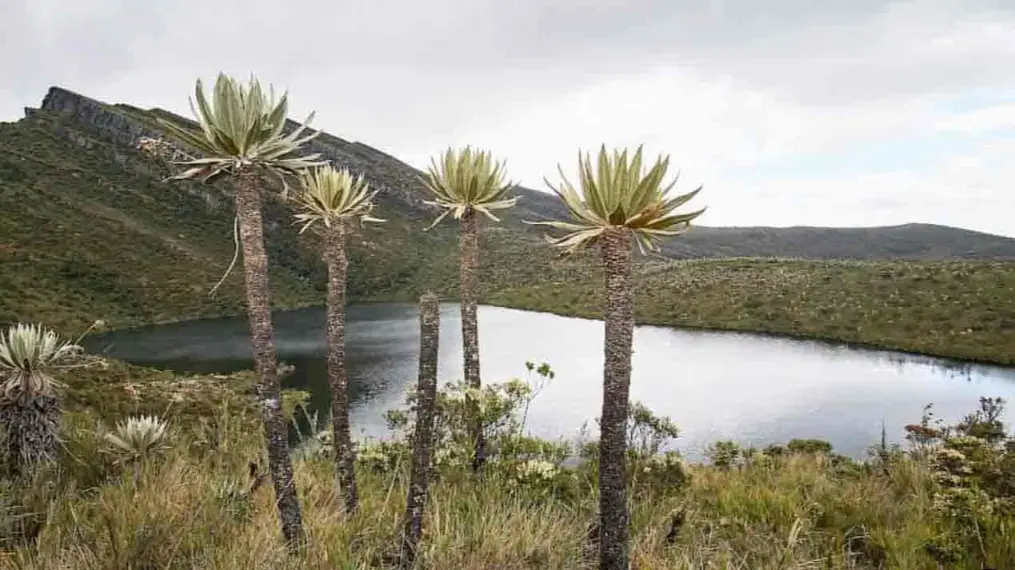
x,y
951,309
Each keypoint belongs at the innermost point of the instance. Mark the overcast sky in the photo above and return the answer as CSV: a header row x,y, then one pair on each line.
x,y
790,112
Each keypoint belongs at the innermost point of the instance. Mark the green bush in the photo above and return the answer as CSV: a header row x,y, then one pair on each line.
x,y
814,446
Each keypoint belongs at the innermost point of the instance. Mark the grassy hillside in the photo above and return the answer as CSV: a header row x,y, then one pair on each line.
x,y
910,241
88,231
82,238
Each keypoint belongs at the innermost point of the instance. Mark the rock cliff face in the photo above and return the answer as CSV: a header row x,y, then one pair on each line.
x,y
104,119
125,125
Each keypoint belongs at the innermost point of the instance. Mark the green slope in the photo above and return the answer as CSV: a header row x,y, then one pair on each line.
x,y
82,238
88,231
957,309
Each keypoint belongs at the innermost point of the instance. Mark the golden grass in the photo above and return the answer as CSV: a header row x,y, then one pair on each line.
x,y
188,510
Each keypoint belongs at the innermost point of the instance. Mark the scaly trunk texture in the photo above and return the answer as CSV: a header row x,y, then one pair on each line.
x,y
345,457
469,252
262,340
619,317
422,436
29,428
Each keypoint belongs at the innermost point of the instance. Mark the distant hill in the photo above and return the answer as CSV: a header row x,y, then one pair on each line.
x,y
88,228
909,241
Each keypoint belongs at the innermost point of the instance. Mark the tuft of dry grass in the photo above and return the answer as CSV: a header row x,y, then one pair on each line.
x,y
180,515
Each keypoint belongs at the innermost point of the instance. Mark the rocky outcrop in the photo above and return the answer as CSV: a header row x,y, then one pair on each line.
x,y
397,182
105,120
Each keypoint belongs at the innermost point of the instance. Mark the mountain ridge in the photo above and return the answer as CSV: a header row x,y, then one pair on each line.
x,y
89,229
398,182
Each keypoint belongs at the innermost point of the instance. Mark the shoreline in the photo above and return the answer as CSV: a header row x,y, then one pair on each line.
x,y
639,321
826,340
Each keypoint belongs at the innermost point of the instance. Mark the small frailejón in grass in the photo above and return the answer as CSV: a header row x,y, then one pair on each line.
x,y
616,202
466,183
139,438
242,135
29,408
329,199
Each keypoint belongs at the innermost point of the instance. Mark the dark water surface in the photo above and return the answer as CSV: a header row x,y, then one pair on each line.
x,y
749,388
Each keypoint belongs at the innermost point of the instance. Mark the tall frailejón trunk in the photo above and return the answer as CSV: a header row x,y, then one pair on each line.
x,y
422,435
619,317
262,340
338,380
469,252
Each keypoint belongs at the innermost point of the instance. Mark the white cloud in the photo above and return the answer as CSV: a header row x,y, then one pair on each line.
x,y
969,190
707,125
715,133
992,118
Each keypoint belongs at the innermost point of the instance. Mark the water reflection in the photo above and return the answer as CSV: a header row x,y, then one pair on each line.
x,y
753,389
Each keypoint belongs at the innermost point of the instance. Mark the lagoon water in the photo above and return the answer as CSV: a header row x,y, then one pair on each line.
x,y
753,389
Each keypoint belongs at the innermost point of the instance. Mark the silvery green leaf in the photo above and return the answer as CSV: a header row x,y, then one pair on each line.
x,y
616,191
